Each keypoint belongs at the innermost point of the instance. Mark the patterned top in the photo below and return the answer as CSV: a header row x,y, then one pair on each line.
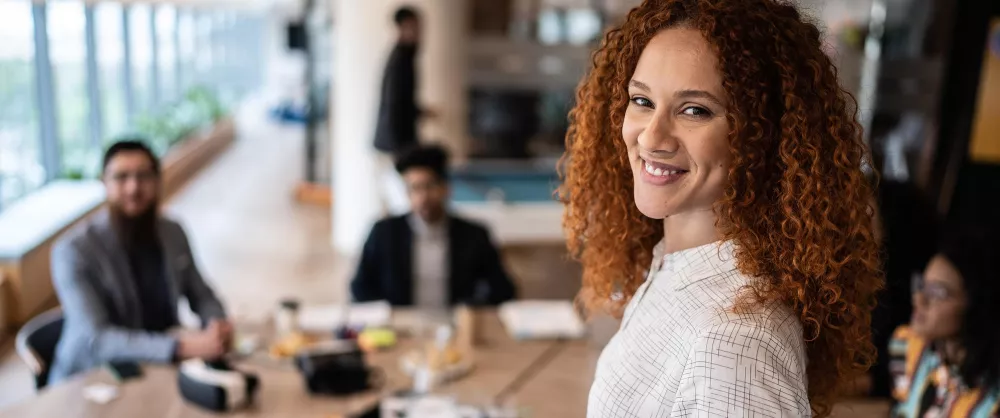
x,y
927,388
682,352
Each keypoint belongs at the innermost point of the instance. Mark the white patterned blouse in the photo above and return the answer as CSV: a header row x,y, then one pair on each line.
x,y
682,352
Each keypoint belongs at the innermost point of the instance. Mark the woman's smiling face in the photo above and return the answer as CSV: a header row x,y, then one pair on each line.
x,y
675,126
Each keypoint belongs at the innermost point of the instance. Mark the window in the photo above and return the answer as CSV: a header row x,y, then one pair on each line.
x,y
110,36
141,51
203,55
21,170
166,30
185,50
67,53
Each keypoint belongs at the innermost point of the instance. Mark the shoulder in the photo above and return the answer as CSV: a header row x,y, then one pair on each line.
x,y
171,229
768,363
906,354
906,344
71,241
770,334
390,223
772,339
84,234
468,226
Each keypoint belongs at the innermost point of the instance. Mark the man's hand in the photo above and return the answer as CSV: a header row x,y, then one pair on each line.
x,y
210,344
225,330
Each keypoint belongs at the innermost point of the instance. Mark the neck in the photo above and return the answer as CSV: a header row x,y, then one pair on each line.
x,y
952,351
434,219
688,230
135,231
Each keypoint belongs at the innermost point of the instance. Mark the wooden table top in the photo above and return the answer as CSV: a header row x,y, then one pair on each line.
x,y
499,360
543,378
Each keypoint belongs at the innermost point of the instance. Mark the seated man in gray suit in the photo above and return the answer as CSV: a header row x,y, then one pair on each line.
x,y
119,277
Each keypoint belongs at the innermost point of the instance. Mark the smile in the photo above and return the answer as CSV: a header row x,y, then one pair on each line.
x,y
661,174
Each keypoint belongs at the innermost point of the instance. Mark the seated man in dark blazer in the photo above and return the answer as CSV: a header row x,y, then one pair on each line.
x,y
430,258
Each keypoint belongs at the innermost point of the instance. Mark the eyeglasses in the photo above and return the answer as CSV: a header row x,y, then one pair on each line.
x,y
139,176
932,291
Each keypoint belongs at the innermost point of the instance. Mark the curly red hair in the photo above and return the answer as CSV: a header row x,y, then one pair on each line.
x,y
797,203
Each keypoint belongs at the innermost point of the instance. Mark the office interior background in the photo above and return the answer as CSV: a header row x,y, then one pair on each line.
x,y
263,112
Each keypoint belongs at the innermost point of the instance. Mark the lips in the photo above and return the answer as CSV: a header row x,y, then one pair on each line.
x,y
660,174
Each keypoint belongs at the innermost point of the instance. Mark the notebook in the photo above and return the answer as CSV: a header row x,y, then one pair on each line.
x,y
541,319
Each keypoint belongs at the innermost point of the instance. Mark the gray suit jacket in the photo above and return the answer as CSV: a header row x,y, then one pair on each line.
x,y
103,319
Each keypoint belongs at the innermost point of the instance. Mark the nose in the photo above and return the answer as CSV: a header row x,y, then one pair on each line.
x,y
131,186
658,134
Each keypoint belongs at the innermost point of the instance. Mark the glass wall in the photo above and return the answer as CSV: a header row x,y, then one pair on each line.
x,y
166,43
21,169
77,74
187,31
141,52
67,53
109,27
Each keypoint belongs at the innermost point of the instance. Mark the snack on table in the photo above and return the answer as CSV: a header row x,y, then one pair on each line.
x,y
374,339
290,345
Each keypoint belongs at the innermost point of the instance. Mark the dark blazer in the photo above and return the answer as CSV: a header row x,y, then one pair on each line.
x,y
476,275
396,125
103,319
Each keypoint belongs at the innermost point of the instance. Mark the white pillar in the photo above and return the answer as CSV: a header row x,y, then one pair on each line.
x,y
443,73
363,37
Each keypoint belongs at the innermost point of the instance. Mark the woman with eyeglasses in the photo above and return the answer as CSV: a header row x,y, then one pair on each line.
x,y
947,361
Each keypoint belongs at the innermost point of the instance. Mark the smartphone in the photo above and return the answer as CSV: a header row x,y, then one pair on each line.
x,y
125,370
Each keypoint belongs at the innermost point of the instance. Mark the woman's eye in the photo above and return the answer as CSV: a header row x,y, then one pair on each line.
x,y
642,101
696,111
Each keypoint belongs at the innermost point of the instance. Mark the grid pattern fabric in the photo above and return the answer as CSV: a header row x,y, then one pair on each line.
x,y
682,352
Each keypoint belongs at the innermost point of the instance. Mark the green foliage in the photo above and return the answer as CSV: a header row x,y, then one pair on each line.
x,y
198,109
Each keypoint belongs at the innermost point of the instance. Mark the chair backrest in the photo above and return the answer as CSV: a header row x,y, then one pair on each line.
x,y
36,343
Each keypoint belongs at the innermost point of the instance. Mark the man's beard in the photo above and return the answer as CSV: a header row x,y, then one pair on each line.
x,y
138,231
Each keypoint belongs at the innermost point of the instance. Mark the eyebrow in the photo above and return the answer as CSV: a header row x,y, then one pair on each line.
x,y
698,94
639,85
683,94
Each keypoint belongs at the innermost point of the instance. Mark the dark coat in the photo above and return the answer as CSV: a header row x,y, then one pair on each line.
x,y
396,126
476,274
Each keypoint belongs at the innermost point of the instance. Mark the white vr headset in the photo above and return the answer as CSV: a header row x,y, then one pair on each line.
x,y
216,386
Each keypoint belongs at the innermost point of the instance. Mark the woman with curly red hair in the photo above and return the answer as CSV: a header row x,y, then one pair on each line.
x,y
715,196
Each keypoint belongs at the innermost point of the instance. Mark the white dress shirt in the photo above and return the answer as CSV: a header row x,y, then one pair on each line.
x,y
682,352
430,263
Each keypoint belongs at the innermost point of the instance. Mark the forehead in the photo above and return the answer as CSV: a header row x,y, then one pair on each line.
x,y
419,174
130,160
941,270
679,59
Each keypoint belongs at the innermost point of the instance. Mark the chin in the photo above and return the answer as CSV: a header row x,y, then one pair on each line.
x,y
652,206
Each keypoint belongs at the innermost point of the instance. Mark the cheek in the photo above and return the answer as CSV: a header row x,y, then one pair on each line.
x,y
631,130
711,153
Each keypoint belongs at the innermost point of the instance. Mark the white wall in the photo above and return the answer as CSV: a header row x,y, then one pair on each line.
x,y
363,37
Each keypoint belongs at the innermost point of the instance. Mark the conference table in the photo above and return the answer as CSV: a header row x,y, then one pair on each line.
x,y
502,366
539,378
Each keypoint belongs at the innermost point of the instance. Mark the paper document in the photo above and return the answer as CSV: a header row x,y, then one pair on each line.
x,y
541,319
326,318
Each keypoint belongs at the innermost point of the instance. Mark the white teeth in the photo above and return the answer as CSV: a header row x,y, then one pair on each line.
x,y
659,171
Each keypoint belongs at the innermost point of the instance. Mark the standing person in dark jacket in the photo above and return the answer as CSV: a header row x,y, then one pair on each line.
x,y
396,126
430,258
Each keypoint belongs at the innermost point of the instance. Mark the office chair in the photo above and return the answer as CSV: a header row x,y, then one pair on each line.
x,y
36,343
